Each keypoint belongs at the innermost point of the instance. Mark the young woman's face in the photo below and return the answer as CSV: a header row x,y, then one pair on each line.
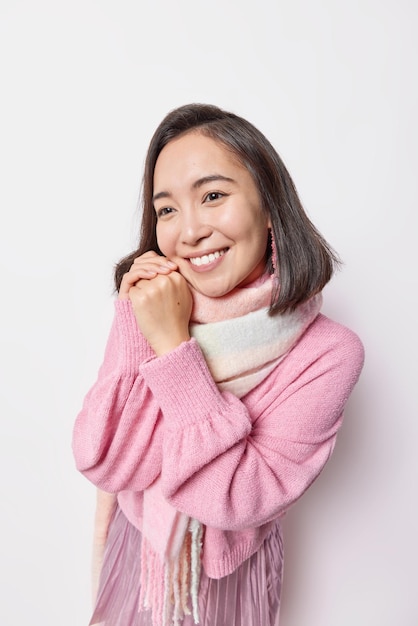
x,y
209,218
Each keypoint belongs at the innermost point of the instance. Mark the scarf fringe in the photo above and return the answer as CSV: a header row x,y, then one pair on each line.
x,y
166,587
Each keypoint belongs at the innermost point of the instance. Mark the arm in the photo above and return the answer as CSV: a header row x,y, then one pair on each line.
x,y
118,433
236,464
117,437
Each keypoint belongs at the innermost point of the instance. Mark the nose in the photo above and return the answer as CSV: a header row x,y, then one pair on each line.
x,y
194,228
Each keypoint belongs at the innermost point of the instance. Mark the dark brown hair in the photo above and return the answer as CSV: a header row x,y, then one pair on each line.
x,y
305,262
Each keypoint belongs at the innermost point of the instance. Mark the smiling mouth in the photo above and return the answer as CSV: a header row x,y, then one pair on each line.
x,y
207,258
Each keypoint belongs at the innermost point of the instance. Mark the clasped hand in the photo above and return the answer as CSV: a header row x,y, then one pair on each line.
x,y
161,300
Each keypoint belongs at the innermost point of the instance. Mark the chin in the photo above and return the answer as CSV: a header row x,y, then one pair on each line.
x,y
212,292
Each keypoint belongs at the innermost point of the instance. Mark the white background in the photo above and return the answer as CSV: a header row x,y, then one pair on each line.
x,y
83,86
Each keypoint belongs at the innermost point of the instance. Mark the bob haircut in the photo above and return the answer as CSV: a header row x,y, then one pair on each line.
x,y
304,261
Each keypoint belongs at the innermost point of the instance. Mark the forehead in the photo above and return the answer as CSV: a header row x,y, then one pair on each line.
x,y
193,154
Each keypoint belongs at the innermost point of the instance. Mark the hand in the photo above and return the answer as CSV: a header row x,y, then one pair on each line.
x,y
146,266
161,300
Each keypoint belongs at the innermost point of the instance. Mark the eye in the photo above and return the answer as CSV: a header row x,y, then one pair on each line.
x,y
165,210
214,195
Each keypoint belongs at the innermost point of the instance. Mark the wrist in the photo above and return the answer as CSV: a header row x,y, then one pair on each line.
x,y
169,344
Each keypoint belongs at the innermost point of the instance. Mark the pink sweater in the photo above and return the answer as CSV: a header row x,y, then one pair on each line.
x,y
235,465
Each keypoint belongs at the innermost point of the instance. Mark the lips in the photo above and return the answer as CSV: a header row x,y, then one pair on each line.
x,y
207,258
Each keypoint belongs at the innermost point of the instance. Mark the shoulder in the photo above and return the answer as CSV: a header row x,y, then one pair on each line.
x,y
339,336
308,389
324,329
327,344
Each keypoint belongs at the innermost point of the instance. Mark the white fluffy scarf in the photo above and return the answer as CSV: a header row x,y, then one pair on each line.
x,y
242,344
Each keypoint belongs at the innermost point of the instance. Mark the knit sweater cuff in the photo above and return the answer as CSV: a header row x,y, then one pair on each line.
x,y
183,386
134,349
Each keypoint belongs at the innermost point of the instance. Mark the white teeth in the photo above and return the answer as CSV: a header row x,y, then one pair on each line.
x,y
207,258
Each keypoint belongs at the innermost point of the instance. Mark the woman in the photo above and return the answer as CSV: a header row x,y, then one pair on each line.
x,y
222,387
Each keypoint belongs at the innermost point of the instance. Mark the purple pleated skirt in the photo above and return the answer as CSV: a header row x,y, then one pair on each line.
x,y
250,596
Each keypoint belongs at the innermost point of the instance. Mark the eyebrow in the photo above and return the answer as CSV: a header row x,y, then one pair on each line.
x,y
198,183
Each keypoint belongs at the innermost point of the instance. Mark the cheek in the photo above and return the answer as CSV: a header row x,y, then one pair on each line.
x,y
244,221
259,238
237,225
253,232
163,239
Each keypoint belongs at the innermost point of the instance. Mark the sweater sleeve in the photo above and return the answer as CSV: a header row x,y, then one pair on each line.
x,y
117,436
235,464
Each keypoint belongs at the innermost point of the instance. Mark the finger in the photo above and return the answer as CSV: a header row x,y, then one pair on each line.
x,y
147,266
155,260
131,278
150,268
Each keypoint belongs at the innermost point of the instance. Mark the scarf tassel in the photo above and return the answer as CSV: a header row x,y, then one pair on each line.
x,y
167,586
